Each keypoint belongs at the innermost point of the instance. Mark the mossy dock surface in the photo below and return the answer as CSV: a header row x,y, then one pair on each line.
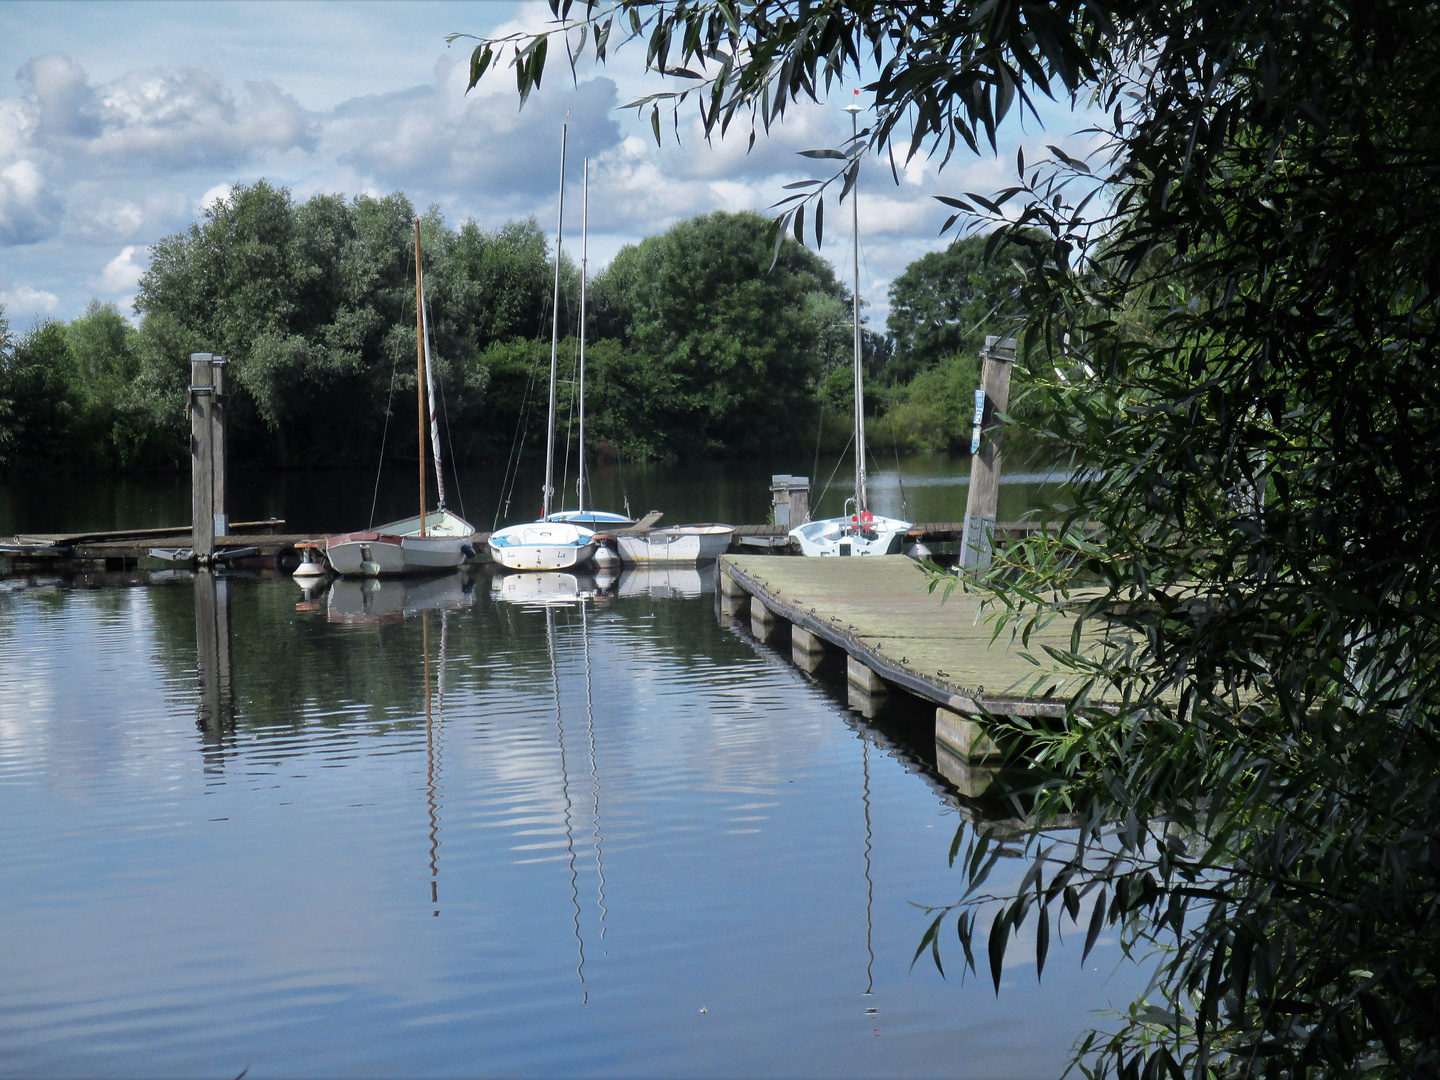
x,y
880,611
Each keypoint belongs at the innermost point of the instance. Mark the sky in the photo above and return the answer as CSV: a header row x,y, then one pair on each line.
x,y
121,122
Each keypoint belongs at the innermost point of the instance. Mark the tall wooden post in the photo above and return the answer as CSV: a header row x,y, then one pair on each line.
x,y
996,360
202,459
219,406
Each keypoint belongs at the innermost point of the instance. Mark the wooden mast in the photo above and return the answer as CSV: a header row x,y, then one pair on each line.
x,y
420,372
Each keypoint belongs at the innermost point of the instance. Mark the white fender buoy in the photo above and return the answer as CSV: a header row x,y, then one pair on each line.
x,y
312,563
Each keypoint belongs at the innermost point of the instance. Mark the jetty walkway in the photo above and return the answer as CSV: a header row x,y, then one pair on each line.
x,y
896,633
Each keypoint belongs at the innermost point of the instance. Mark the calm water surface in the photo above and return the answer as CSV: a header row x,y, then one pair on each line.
x,y
436,831
922,487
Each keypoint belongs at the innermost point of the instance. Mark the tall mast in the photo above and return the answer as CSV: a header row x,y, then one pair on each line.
x,y
584,242
430,396
420,371
555,337
860,495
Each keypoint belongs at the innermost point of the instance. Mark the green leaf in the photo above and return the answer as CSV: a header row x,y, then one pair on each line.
x,y
999,936
1097,922
1042,941
829,154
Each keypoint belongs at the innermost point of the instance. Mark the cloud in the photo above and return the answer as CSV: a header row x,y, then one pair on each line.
x,y
122,273
85,158
28,211
24,302
481,147
215,195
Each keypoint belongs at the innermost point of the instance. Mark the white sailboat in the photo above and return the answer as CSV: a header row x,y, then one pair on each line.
x,y
432,540
550,543
857,531
590,519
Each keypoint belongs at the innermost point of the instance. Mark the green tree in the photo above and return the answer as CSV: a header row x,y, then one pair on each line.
x,y
945,302
315,306
727,331
39,387
1255,755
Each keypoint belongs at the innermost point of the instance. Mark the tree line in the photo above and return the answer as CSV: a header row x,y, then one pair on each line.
x,y
698,344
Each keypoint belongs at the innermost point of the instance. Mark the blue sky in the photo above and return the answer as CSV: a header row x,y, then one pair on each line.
x,y
120,122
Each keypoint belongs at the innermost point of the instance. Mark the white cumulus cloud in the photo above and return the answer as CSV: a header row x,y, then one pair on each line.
x,y
122,273
24,303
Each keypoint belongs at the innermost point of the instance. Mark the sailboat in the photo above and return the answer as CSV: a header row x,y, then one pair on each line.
x,y
432,540
547,544
857,531
591,519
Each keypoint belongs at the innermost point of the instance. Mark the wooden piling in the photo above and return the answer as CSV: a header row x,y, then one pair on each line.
x,y
964,736
762,622
996,361
803,640
862,677
202,459
219,407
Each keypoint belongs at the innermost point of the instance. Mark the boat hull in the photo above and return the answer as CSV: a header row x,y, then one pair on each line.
x,y
677,544
850,536
398,547
542,545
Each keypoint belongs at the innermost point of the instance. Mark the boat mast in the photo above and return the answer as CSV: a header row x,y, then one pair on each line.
x,y
584,241
860,495
434,420
554,338
420,371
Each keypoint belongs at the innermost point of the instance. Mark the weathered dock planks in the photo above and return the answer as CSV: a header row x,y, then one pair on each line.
x,y
880,612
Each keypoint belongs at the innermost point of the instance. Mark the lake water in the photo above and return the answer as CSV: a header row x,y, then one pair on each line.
x,y
446,828
922,487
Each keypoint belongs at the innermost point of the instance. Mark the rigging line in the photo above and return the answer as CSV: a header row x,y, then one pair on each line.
x,y
569,805
517,446
834,471
895,441
594,769
819,430
384,434
569,422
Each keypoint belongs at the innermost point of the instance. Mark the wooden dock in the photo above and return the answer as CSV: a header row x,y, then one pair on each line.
x,y
896,634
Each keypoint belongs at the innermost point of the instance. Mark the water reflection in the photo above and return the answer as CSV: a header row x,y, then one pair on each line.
x,y
752,847
214,665
368,600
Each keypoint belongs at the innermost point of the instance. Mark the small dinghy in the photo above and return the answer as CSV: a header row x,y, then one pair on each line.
x,y
675,544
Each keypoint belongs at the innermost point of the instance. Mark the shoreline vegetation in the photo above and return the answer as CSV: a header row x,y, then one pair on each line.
x,y
697,346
